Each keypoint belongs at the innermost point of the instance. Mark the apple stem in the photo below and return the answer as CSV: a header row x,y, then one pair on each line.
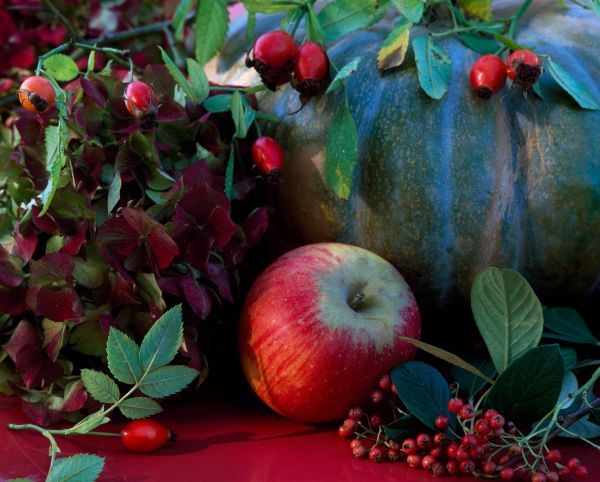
x,y
355,302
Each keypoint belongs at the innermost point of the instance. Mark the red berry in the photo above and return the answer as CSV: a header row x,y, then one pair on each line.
x,y
394,455
467,466
507,473
375,421
538,477
348,427
441,439
452,450
356,413
510,428
552,477
497,422
360,452
453,467
469,441
477,452
523,473
467,412
581,472
524,67
515,450
504,459
573,463
455,404
394,391
268,156
427,462
138,98
499,432
488,75
438,469
442,422
482,426
409,446
377,453
414,461
144,435
275,49
436,452
394,445
424,441
377,396
311,62
489,467
554,455
36,94
385,382
462,454
564,473
356,443
488,414
344,432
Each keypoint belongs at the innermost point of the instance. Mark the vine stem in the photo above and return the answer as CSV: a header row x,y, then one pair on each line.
x,y
61,18
30,426
513,24
110,52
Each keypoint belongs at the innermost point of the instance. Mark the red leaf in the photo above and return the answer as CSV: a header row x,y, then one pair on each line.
x,y
75,397
40,413
25,242
218,274
11,272
51,268
58,304
197,296
13,300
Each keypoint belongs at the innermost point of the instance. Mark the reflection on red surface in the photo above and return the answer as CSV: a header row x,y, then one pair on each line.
x,y
221,440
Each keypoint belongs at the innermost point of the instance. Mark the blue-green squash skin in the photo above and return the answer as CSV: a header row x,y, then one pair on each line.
x,y
444,189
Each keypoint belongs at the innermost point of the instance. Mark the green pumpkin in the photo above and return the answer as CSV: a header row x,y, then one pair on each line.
x,y
447,188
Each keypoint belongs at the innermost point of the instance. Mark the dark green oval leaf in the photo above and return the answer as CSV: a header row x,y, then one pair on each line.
x,y
433,67
566,324
574,87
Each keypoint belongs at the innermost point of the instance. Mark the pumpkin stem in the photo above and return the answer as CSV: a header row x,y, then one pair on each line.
x,y
355,302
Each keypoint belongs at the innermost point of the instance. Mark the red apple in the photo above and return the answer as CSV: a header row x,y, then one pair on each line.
x,y
320,325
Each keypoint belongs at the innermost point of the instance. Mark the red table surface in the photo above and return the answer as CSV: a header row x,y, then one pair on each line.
x,y
221,439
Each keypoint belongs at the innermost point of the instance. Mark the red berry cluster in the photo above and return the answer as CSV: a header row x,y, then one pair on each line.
x,y
489,72
279,60
488,445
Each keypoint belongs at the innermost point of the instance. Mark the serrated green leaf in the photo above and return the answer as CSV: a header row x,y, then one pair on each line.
x,y
167,380
100,386
218,103
212,22
162,340
340,17
77,468
139,407
123,357
530,386
178,76
574,87
238,115
229,172
508,314
89,339
478,9
198,80
92,421
315,31
62,67
566,324
114,192
411,9
393,50
433,66
54,162
179,17
342,152
268,6
345,72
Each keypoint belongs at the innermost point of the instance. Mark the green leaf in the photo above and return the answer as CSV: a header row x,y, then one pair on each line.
x,y
423,390
100,386
20,479
91,62
123,357
89,273
508,314
178,76
340,17
114,192
478,43
478,9
583,428
404,427
7,377
342,152
212,22
572,86
530,386
92,421
77,468
229,172
89,339
566,324
62,67
433,66
511,44
446,356
55,158
315,31
569,356
167,380
179,17
411,9
238,114
393,50
162,340
149,290
595,4
139,407
569,386
345,72
268,6
218,103
198,80
471,383
267,116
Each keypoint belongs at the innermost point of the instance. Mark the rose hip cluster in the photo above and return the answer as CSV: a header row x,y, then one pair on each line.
x,y
488,445
279,60
489,72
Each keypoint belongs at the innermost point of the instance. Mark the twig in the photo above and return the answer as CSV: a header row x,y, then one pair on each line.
x,y
62,19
